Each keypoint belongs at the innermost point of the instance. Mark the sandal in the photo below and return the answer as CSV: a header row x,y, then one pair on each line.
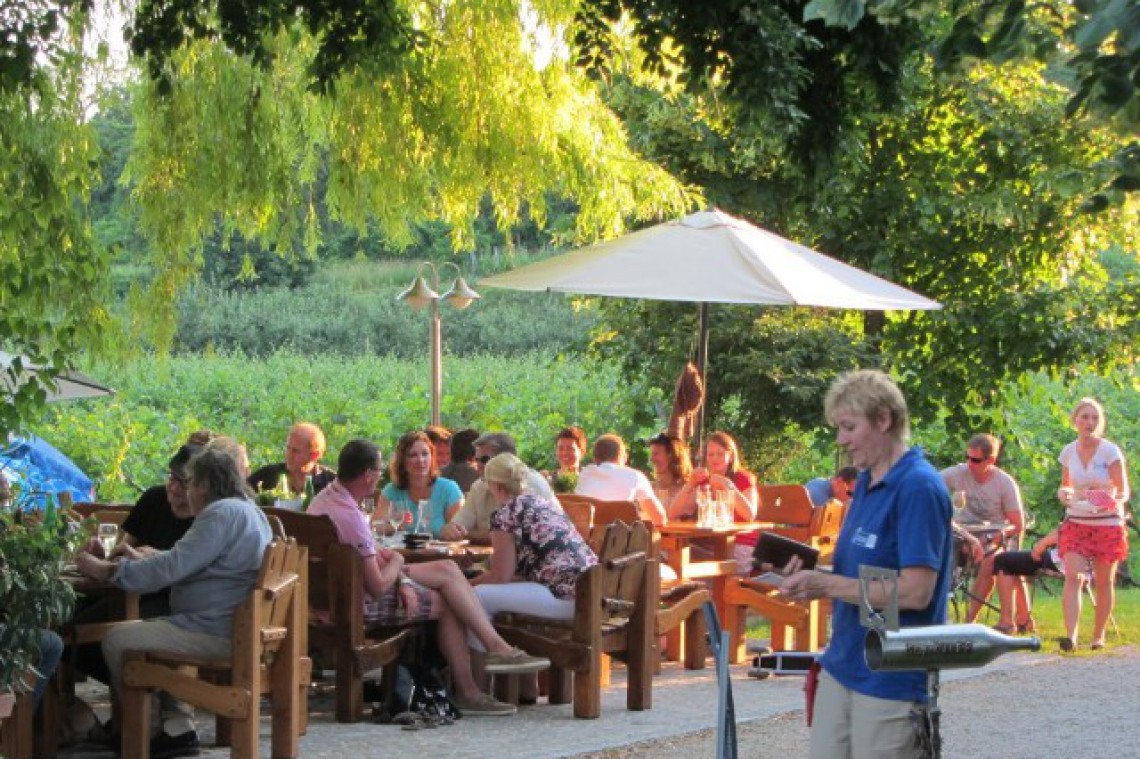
x,y
1066,644
1029,626
1005,629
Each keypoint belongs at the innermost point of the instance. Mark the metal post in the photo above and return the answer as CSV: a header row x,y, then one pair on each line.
x,y
702,362
726,711
436,359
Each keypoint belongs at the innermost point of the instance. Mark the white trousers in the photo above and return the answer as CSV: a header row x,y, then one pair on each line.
x,y
524,597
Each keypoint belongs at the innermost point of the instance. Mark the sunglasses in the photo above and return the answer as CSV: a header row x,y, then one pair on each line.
x,y
178,478
975,459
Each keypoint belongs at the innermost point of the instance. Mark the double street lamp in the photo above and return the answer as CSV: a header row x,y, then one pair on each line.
x,y
418,295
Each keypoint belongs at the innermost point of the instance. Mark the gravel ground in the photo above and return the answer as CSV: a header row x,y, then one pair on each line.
x,y
1072,707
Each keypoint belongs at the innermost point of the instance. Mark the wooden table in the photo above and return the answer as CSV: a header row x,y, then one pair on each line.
x,y
677,540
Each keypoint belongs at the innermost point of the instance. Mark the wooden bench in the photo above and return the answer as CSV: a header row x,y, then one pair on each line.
x,y
268,659
796,626
336,625
680,602
613,614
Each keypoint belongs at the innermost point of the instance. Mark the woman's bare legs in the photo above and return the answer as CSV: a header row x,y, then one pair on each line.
x,y
453,646
1005,589
1105,574
445,578
1076,567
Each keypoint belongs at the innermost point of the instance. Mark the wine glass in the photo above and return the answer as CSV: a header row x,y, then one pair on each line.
x,y
368,506
108,534
396,521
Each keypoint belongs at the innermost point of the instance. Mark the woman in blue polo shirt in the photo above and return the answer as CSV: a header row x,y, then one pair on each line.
x,y
899,518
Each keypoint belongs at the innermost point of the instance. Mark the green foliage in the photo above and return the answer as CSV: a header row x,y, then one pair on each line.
x,y
124,442
1092,47
353,311
52,278
469,115
32,595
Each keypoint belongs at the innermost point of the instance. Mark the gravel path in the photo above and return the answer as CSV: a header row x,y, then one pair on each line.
x,y
1072,707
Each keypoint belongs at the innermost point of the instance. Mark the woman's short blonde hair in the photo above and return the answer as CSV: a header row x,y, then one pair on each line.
x,y
507,470
1092,403
871,393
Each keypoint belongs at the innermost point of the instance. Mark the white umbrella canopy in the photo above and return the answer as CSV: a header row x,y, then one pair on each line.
x,y
66,387
712,257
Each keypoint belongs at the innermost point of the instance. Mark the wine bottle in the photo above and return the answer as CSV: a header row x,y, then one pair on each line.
x,y
308,493
940,647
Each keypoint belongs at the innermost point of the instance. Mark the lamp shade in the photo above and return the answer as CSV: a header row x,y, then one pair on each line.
x,y
461,295
419,294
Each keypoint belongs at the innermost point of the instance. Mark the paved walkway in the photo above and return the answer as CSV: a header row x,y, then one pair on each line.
x,y
683,703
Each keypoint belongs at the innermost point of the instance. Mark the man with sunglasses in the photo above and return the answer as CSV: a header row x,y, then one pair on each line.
x,y
841,486
984,495
472,520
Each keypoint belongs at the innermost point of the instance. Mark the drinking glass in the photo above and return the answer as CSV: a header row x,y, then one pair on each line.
x,y
959,501
368,506
703,506
108,534
724,510
423,516
396,515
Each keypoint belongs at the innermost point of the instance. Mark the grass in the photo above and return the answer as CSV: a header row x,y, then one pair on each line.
x,y
1050,622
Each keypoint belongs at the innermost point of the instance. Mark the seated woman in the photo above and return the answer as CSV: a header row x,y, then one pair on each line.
x,y
538,552
210,572
671,467
569,450
415,478
724,471
414,592
1010,567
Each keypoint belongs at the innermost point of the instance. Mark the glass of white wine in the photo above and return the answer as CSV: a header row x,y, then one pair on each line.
x,y
108,535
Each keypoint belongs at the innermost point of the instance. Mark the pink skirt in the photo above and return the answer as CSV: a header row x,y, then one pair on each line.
x,y
1102,543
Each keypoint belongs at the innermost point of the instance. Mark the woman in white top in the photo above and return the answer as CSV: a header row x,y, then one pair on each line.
x,y
1094,489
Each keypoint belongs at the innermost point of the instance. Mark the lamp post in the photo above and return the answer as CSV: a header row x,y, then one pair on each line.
x,y
418,295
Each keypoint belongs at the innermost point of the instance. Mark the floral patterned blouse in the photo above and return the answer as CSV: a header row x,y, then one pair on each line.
x,y
548,549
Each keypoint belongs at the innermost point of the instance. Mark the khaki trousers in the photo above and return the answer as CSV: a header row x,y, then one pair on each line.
x,y
849,725
161,635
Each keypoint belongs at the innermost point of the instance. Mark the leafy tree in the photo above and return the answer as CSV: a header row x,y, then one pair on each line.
x,y
467,114
1092,46
52,277
963,189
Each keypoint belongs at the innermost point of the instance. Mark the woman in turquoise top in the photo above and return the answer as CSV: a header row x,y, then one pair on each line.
x,y
415,478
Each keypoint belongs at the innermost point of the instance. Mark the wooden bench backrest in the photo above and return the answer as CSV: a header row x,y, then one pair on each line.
x,y
581,514
828,519
622,556
113,513
317,534
276,591
605,514
789,507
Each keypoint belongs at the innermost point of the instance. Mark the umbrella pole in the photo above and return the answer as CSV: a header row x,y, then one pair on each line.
x,y
702,360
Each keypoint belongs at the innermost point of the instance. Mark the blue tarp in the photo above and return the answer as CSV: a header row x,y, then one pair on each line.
x,y
40,470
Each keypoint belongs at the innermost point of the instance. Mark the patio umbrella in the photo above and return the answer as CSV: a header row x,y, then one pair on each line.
x,y
712,257
66,387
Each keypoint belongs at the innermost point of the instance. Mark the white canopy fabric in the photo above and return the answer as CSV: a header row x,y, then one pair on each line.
x,y
68,386
712,257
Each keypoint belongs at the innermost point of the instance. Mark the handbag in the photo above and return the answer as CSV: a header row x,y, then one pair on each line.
x,y
418,698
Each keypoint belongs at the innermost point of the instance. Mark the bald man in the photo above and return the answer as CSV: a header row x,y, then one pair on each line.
x,y
303,451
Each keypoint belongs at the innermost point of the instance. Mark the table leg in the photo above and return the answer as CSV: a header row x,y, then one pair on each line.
x,y
679,561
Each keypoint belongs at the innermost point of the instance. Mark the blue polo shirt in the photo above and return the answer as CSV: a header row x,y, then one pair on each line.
x,y
903,521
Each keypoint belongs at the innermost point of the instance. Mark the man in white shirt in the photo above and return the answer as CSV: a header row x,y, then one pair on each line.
x,y
473,519
983,493
609,479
